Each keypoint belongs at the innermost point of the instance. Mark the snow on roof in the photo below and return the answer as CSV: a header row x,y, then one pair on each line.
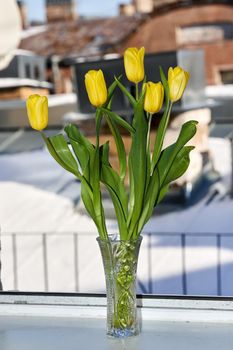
x,y
33,31
35,205
216,217
219,90
18,82
23,52
56,100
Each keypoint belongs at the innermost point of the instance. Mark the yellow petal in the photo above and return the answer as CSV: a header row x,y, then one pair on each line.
x,y
153,97
177,81
37,110
101,88
134,64
96,87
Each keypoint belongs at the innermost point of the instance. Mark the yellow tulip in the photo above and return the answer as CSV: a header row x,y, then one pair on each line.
x,y
37,110
153,97
96,87
177,81
134,64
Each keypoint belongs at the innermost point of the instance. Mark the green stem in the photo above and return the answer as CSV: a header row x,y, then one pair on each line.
x,y
124,316
97,196
137,92
149,115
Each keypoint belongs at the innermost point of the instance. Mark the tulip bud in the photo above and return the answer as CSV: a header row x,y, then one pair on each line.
x,y
96,87
37,110
134,64
177,81
153,97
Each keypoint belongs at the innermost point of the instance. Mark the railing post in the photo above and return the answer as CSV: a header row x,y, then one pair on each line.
x,y
219,272
0,266
76,269
184,277
150,285
45,261
15,263
231,190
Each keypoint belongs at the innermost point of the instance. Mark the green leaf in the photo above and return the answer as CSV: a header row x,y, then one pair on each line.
x,y
172,164
143,82
138,162
98,119
163,123
149,199
119,120
111,179
188,130
111,91
83,149
131,99
162,193
74,133
88,202
165,83
179,165
95,179
82,156
119,145
119,197
60,151
104,153
132,191
169,155
90,181
87,197
54,154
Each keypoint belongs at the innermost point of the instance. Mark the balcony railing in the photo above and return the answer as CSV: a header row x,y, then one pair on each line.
x,y
169,263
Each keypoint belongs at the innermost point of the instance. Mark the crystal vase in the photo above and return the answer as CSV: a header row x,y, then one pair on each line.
x,y
120,266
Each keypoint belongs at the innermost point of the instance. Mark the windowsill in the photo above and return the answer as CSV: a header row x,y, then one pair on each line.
x,y
61,322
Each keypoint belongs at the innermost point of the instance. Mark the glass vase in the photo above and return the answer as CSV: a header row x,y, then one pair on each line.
x,y
120,260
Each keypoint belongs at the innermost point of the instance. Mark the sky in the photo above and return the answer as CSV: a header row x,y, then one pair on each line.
x,y
36,10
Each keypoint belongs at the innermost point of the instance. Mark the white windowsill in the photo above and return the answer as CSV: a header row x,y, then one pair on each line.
x,y
78,322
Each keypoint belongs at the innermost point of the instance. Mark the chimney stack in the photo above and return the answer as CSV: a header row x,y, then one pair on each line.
x,y
143,6
127,9
60,10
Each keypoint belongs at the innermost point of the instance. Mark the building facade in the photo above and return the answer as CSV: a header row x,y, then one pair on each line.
x,y
207,25
172,25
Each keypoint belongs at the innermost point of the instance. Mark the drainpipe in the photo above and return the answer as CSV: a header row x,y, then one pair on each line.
x,y
56,73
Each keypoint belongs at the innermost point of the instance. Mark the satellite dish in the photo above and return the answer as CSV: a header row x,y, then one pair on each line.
x,y
10,29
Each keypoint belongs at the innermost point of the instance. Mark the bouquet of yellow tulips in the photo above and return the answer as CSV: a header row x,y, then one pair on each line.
x,y
151,168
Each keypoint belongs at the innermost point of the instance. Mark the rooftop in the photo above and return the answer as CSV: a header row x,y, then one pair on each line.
x,y
91,37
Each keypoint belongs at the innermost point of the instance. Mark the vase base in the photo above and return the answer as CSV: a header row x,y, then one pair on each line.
x,y
122,333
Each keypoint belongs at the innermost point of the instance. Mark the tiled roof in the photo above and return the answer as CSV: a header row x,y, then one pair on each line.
x,y
81,37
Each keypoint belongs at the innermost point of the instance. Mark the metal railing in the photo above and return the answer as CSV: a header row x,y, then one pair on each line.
x,y
146,282
183,247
